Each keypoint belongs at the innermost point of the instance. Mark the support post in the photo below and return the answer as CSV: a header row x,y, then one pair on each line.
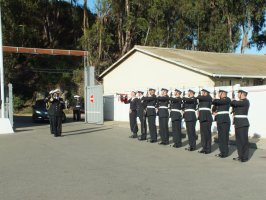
x,y
2,71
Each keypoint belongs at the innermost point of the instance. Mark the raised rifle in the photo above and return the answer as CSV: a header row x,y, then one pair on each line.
x,y
184,92
199,91
214,93
233,98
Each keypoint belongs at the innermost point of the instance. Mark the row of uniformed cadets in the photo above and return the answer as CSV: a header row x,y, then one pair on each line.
x,y
150,105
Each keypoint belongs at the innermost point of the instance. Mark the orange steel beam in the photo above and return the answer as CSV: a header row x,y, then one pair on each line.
x,y
44,51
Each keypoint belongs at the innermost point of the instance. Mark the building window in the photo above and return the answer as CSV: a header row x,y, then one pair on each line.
x,y
258,81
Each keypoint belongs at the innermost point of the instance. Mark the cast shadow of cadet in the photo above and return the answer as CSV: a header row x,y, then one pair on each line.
x,y
252,145
82,132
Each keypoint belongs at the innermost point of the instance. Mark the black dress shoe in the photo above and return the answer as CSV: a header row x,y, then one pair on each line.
x,y
177,145
202,151
133,136
190,149
163,143
236,159
223,156
141,138
207,152
244,160
153,141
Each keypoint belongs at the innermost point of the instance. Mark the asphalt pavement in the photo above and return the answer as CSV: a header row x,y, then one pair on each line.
x,y
100,162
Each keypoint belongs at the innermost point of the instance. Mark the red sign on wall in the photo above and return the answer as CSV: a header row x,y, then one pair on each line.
x,y
92,99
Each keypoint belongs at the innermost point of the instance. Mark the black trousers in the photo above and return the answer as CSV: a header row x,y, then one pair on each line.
x,y
133,122
76,115
176,129
191,132
143,125
223,137
56,125
152,127
242,142
164,132
51,124
206,135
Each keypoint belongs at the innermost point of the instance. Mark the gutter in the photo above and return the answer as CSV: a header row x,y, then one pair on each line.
x,y
236,76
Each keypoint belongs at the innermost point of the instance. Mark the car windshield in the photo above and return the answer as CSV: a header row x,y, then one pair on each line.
x,y
40,104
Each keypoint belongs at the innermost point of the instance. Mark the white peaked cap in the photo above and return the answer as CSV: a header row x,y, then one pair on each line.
x,y
57,91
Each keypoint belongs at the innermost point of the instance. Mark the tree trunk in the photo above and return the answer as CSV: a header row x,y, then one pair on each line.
x,y
246,28
100,37
127,43
85,17
230,34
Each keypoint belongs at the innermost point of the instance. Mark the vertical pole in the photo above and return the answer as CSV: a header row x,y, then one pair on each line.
x,y
85,87
2,71
10,95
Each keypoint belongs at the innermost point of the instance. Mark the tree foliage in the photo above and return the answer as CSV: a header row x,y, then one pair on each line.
x,y
115,27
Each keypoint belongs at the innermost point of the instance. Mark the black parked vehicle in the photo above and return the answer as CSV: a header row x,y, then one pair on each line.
x,y
39,112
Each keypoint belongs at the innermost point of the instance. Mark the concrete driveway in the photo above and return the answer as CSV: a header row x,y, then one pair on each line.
x,y
100,162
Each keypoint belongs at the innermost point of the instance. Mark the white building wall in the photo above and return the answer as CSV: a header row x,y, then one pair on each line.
x,y
141,71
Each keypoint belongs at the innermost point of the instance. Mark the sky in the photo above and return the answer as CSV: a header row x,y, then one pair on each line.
x,y
252,50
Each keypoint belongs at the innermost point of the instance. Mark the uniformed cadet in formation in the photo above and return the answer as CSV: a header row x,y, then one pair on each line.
x,y
141,112
163,113
205,119
176,118
222,118
151,101
190,106
55,112
241,123
133,101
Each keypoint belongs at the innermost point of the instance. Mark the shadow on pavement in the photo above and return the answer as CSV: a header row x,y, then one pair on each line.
x,y
214,147
79,130
84,132
26,121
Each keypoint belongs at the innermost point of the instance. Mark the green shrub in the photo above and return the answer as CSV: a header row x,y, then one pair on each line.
x,y
18,102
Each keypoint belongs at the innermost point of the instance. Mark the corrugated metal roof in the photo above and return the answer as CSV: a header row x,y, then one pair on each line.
x,y
209,63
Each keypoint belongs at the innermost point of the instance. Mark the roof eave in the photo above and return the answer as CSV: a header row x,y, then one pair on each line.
x,y
237,76
117,62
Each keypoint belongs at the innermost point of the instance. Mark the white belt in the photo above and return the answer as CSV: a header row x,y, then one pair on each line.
x,y
241,116
222,112
150,106
176,110
190,110
200,109
163,107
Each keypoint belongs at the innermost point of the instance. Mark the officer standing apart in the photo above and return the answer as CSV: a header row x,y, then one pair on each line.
x,y
141,112
223,122
176,118
77,108
190,105
56,112
151,114
133,101
241,123
205,119
163,106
